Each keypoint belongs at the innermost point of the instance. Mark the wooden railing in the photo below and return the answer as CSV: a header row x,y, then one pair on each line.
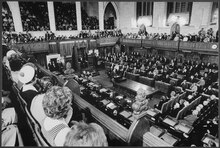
x,y
173,45
53,46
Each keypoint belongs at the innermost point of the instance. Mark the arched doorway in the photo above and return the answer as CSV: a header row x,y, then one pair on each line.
x,y
110,17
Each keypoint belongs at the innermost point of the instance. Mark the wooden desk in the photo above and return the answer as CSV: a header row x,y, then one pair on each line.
x,y
133,86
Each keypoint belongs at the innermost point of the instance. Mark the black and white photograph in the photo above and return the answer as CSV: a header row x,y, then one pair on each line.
x,y
110,73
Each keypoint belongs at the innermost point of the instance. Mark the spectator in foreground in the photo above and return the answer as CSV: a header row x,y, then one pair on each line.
x,y
57,103
83,134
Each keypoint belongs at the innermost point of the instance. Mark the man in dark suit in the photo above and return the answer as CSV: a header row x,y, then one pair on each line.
x,y
163,100
175,110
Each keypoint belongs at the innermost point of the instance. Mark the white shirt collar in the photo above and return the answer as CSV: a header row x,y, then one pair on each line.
x,y
28,87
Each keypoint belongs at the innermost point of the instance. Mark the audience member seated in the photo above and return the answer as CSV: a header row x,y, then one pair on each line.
x,y
27,76
163,100
201,82
192,117
83,134
166,79
57,103
192,79
36,104
209,90
175,109
194,87
184,85
69,69
10,132
15,63
212,126
6,81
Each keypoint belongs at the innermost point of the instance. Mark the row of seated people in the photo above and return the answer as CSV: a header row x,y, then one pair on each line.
x,y
191,95
158,73
196,120
205,134
53,110
202,36
191,110
26,37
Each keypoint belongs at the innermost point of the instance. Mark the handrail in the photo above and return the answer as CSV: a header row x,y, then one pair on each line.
x,y
200,47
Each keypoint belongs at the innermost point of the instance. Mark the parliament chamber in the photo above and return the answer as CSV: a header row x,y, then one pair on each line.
x,y
88,74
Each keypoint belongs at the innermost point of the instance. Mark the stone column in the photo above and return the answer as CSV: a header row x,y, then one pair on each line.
x,y
159,14
101,15
16,15
201,14
78,16
51,15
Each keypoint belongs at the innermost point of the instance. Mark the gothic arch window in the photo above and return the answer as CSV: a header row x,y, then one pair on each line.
x,y
110,17
144,13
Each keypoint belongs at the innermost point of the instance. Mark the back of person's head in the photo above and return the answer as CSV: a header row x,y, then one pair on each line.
x,y
46,83
15,62
83,134
57,102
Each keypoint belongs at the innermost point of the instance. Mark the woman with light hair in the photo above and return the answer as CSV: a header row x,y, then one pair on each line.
x,y
83,134
57,103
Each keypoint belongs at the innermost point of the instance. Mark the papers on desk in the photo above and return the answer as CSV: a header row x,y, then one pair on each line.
x,y
125,114
103,90
183,128
105,102
111,106
156,131
169,121
169,138
151,112
90,83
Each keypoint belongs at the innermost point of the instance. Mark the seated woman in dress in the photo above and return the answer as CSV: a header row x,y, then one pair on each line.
x,y
57,103
83,134
69,69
